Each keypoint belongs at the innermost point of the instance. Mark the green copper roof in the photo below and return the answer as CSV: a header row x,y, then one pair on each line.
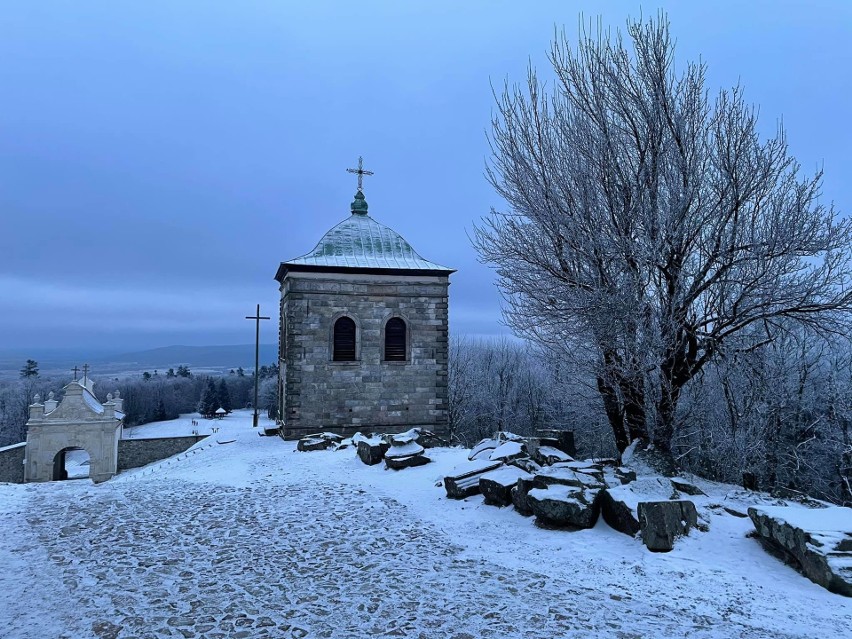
x,y
361,242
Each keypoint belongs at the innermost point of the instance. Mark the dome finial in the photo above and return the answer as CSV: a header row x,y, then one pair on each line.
x,y
359,204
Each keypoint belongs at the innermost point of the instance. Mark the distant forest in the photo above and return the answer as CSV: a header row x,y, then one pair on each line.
x,y
151,396
779,414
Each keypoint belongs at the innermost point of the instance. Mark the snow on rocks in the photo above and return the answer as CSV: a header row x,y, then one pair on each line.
x,y
547,455
565,475
370,450
483,449
405,452
819,541
564,506
309,444
496,486
620,506
463,480
686,487
662,521
508,451
318,441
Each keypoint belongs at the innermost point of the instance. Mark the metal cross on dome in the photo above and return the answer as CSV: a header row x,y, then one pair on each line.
x,y
360,171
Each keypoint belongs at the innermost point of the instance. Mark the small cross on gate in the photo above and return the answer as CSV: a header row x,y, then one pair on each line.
x,y
360,171
75,369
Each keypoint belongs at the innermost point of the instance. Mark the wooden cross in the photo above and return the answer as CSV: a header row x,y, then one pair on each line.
x,y
360,171
257,317
85,371
75,369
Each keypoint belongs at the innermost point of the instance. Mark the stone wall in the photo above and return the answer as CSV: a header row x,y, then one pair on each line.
x,y
368,394
134,453
12,463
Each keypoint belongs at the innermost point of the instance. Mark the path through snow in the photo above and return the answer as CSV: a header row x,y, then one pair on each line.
x,y
252,539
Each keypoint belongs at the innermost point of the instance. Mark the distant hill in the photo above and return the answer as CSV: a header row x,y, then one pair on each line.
x,y
197,356
207,358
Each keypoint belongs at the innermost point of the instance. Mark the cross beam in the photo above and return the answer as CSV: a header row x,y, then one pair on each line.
x,y
360,171
256,317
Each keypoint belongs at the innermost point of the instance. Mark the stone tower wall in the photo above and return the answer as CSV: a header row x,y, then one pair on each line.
x,y
369,394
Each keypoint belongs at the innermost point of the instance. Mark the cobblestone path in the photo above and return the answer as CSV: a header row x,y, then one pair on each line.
x,y
179,558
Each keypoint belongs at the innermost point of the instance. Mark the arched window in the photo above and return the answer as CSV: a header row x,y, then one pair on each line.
x,y
344,340
395,340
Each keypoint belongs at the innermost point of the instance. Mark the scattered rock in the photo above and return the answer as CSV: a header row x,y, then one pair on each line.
x,y
563,475
618,514
496,485
560,439
625,475
508,451
661,521
371,451
483,449
309,444
818,541
620,505
428,439
526,464
587,467
564,506
547,455
463,481
685,487
398,463
403,448
405,452
520,496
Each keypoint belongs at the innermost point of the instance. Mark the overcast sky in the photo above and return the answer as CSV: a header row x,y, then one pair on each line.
x,y
159,159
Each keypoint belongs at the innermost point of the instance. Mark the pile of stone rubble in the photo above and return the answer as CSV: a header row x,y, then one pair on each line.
x,y
402,450
540,477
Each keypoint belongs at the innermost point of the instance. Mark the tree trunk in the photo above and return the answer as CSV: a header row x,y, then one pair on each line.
x,y
614,414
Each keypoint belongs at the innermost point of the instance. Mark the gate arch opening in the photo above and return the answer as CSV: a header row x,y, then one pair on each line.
x,y
72,462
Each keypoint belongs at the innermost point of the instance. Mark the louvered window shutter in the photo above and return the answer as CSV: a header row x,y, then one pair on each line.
x,y
344,340
395,340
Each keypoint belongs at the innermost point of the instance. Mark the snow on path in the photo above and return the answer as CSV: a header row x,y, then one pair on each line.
x,y
252,539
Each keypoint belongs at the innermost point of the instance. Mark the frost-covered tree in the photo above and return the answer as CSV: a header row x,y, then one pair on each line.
x,y
209,401
30,369
649,228
223,397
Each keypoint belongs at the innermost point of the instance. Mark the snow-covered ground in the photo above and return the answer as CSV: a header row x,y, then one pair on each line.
x,y
253,539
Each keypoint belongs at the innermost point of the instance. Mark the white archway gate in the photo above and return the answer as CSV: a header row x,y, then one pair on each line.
x,y
78,421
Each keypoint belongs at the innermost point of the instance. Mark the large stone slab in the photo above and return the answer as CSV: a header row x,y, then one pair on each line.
x,y
508,451
547,455
620,505
398,463
463,480
661,522
309,444
403,449
564,506
561,439
496,486
520,496
564,475
818,541
371,451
